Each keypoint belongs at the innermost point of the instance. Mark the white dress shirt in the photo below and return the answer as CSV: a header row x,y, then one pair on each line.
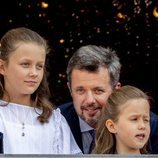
x,y
86,136
24,134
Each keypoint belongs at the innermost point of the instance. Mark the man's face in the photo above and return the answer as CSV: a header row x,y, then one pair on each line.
x,y
90,91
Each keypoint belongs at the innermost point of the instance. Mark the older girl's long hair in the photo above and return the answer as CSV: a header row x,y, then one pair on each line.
x,y
8,44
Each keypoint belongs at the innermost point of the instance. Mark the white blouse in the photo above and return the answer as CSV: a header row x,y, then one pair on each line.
x,y
24,134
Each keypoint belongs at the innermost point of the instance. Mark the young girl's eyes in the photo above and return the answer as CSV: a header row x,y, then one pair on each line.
x,y
134,119
146,120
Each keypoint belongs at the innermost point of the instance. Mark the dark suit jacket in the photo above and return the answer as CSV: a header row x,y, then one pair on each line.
x,y
154,133
1,143
69,113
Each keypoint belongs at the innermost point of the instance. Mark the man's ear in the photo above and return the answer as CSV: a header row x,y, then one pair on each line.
x,y
118,85
2,67
110,126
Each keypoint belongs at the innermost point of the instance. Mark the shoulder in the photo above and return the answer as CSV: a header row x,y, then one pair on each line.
x,y
59,120
67,108
153,123
153,118
69,112
57,116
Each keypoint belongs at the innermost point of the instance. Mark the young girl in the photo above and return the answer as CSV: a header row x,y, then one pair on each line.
x,y
28,123
124,127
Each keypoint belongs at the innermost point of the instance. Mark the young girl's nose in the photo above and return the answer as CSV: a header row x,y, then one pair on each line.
x,y
141,124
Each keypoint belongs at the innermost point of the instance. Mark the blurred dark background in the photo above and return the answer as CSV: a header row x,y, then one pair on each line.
x,y
128,26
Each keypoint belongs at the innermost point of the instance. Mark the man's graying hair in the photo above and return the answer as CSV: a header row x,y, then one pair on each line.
x,y
91,58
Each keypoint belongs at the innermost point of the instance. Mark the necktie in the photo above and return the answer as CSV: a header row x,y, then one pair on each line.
x,y
92,132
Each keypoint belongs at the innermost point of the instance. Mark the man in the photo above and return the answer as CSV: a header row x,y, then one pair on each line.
x,y
93,72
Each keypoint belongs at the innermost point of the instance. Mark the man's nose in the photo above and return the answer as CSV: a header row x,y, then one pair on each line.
x,y
90,98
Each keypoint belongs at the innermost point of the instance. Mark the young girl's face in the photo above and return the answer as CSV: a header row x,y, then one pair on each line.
x,y
132,127
24,70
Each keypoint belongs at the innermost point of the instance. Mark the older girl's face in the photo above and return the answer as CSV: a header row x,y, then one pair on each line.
x,y
24,70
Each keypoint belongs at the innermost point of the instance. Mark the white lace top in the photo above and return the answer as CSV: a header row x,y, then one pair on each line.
x,y
24,134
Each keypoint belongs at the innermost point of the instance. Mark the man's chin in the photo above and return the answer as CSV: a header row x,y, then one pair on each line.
x,y
91,121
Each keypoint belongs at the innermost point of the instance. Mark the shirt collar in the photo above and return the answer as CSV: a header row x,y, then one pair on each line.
x,y
84,126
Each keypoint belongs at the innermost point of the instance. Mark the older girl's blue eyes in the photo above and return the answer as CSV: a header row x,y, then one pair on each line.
x,y
40,67
27,65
